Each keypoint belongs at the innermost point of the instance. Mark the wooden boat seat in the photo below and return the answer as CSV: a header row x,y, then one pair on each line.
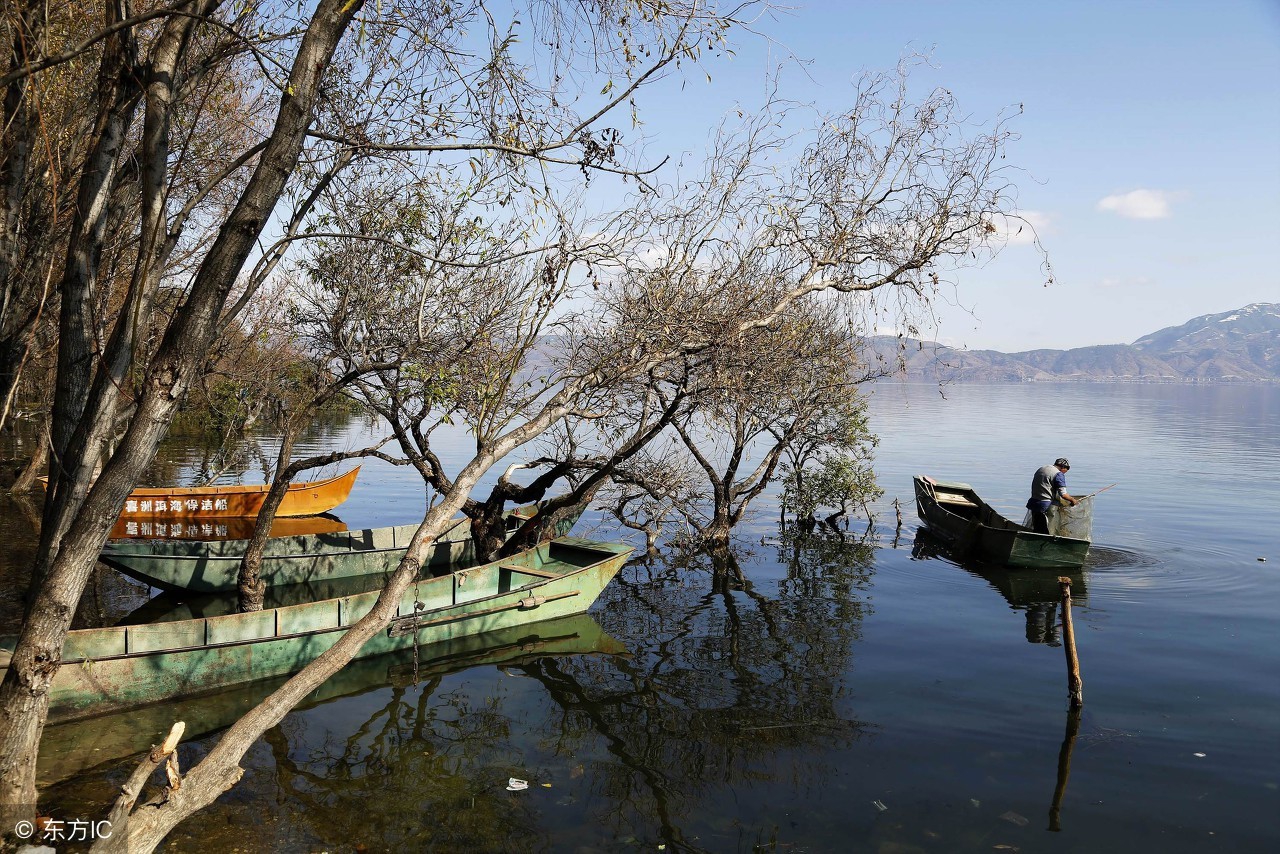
x,y
527,570
944,498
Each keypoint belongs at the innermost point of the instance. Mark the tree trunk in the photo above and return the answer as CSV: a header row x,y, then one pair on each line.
x,y
551,515
78,517
716,535
488,530
250,585
24,693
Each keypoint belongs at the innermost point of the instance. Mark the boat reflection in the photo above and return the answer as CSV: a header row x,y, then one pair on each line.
x,y
69,748
229,528
1035,592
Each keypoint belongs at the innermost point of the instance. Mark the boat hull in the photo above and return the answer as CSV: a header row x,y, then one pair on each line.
x,y
162,504
214,566
972,527
109,669
308,498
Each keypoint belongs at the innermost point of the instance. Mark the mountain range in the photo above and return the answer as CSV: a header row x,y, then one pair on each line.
x,y
1233,346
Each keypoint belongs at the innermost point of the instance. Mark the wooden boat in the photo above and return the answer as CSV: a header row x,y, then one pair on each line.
x,y
213,566
972,528
108,669
308,498
71,747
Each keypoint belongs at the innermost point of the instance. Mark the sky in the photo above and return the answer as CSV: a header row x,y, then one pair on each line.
x,y
1149,144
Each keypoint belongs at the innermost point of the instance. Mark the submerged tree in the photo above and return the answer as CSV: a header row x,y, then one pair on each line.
x,y
830,467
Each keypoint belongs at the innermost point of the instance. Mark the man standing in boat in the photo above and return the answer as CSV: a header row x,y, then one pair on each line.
x,y
1048,487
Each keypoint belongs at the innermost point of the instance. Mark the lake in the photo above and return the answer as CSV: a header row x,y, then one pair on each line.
x,y
866,695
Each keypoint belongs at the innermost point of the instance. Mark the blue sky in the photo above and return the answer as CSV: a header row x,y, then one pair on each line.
x,y
1150,139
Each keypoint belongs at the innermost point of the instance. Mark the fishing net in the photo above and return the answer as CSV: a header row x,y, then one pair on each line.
x,y
1074,522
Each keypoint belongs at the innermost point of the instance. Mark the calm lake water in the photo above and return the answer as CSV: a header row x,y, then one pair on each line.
x,y
854,696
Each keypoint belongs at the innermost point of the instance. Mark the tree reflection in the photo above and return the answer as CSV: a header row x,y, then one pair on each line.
x,y
727,689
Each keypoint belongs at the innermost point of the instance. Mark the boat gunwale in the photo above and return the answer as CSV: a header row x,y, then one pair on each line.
x,y
228,488
106,557
240,488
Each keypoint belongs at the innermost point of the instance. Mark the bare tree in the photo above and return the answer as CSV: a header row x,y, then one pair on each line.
x,y
879,197
415,82
752,397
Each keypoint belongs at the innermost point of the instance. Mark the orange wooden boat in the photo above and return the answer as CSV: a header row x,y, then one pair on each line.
x,y
213,502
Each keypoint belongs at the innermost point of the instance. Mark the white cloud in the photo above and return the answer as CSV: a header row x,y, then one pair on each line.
x,y
1141,204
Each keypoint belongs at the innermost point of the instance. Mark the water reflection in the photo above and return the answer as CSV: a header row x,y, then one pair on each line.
x,y
1035,592
1064,768
732,691
229,528
72,747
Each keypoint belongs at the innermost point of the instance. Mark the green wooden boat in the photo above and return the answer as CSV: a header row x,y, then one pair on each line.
x,y
973,528
213,566
71,747
107,669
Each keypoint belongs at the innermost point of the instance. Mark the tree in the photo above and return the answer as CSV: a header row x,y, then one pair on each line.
x,y
878,198
762,395
398,88
830,466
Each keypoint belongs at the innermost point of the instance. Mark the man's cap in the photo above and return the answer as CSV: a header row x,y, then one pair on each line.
x,y
1062,462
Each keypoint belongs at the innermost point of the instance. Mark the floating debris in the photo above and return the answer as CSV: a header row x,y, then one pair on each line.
x,y
976,803
516,785
1199,755
1013,818
879,805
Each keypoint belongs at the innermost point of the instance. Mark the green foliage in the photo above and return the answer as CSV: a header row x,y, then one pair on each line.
x,y
831,467
837,482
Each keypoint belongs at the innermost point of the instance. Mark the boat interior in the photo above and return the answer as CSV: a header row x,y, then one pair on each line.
x,y
961,500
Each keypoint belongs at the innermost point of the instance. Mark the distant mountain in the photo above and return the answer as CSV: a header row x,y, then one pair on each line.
x,y
1234,346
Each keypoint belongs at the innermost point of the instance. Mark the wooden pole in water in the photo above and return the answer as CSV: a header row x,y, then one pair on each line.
x,y
1075,686
1064,768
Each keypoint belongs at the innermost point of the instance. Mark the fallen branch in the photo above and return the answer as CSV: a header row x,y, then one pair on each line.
x,y
158,754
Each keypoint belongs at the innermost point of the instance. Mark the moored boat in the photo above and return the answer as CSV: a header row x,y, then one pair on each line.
x,y
306,498
214,566
107,669
971,527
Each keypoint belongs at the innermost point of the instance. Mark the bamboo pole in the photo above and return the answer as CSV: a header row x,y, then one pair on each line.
x,y
1075,686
